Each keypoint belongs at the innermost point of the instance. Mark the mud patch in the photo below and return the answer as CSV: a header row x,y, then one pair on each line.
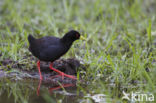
x,y
12,70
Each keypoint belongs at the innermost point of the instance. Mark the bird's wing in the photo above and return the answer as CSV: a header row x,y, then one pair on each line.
x,y
51,53
49,40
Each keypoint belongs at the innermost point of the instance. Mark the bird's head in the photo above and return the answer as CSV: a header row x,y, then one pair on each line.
x,y
71,36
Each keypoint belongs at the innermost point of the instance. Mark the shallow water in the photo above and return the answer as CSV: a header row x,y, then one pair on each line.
x,y
36,91
32,91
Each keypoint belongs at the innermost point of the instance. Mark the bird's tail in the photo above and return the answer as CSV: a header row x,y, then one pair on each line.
x,y
31,38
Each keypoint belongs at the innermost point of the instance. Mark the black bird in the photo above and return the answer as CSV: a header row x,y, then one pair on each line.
x,y
51,48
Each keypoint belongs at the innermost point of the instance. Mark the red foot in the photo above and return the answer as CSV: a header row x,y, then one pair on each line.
x,y
55,76
61,73
38,65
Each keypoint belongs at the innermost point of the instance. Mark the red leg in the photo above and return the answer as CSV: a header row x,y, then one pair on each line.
x,y
61,73
38,65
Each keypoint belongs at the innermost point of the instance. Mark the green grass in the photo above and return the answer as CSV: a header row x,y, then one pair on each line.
x,y
120,46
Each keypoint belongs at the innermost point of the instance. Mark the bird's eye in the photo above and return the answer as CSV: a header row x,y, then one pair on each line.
x,y
77,35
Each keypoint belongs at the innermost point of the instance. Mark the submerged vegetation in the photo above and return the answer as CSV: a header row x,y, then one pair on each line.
x,y
119,53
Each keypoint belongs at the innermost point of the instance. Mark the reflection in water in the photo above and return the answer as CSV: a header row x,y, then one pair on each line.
x,y
61,86
55,87
24,91
38,88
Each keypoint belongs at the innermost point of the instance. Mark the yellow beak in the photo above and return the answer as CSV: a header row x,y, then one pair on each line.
x,y
82,38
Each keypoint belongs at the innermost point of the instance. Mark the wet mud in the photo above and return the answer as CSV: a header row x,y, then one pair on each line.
x,y
12,70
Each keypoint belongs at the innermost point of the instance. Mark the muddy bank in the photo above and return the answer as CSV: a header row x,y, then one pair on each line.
x,y
13,70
